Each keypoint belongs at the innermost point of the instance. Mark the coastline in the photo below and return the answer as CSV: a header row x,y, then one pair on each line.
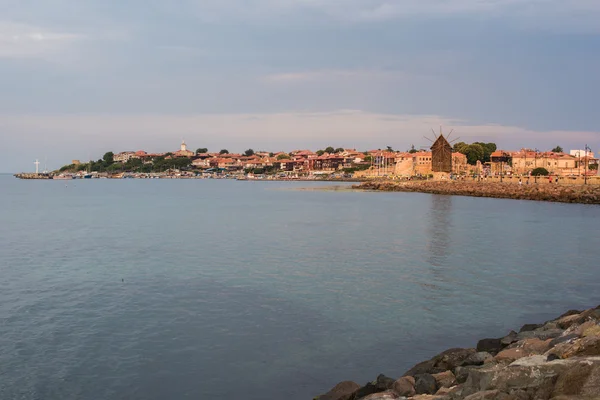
x,y
582,194
555,360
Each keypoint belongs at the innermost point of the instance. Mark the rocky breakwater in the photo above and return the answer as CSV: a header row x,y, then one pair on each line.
x,y
26,175
556,360
585,194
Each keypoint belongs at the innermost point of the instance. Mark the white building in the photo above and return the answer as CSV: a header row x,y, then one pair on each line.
x,y
581,153
124,156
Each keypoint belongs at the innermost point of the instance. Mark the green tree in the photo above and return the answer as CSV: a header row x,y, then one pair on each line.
x,y
330,150
488,149
474,153
368,159
271,154
133,164
540,171
108,157
412,149
320,152
283,156
201,150
114,167
460,147
557,149
249,153
339,150
224,151
477,151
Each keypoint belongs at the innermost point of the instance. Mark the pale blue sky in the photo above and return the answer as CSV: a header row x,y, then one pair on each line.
x,y
78,78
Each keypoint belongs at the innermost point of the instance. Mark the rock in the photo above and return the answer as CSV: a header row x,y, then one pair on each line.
x,y
364,391
540,334
405,386
552,357
389,395
510,355
563,339
462,373
591,331
341,391
447,360
485,395
384,382
478,358
492,346
425,384
444,379
532,375
531,361
444,391
568,321
450,359
587,346
572,380
530,327
536,346
569,313
424,367
509,339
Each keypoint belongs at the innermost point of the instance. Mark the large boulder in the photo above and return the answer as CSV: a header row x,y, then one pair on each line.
x,y
387,395
424,367
341,391
530,327
447,360
509,339
533,375
381,384
478,358
405,386
582,379
492,346
586,346
485,395
462,373
578,319
510,355
444,379
541,334
425,384
564,338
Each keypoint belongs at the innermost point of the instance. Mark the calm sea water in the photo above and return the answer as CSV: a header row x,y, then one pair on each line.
x,y
176,289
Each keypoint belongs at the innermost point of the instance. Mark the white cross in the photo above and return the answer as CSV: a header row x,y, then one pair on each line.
x,y
37,166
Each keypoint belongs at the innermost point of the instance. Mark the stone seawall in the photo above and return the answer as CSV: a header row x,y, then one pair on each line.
x,y
555,360
585,194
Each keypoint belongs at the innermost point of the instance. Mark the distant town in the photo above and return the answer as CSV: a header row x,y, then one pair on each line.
x,y
458,160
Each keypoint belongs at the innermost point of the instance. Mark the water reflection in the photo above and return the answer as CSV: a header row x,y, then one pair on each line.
x,y
439,228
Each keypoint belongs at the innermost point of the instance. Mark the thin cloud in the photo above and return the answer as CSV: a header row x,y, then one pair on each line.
x,y
333,75
26,41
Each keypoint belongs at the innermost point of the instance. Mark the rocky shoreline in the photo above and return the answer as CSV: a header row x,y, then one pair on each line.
x,y
584,194
556,360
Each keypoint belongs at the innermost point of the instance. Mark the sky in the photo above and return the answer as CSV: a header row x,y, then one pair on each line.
x,y
82,77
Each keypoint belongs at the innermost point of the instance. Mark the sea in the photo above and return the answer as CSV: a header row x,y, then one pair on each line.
x,y
222,289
